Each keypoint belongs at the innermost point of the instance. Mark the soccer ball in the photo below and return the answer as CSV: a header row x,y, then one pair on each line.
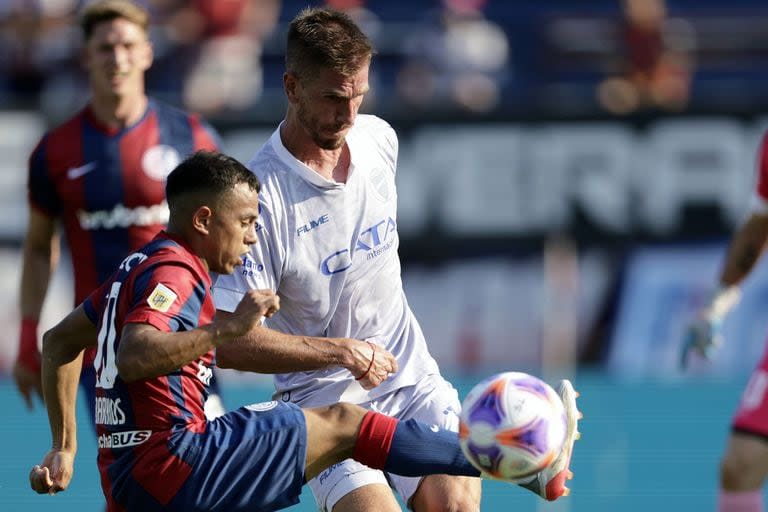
x,y
512,426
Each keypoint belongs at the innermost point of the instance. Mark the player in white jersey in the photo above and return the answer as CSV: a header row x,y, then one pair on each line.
x,y
328,245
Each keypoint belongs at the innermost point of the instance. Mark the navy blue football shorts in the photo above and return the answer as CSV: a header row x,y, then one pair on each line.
x,y
250,459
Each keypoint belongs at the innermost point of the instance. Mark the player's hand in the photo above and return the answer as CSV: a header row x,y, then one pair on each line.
x,y
54,473
703,337
254,305
372,363
28,382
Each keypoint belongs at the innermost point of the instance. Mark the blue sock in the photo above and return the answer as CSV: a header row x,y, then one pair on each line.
x,y
418,450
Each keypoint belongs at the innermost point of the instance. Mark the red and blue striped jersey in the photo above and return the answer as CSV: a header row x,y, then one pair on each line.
x,y
168,287
108,186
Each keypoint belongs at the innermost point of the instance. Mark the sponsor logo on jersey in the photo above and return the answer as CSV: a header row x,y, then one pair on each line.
x,y
262,406
312,224
162,298
250,267
158,161
76,172
123,217
124,439
374,241
204,374
108,411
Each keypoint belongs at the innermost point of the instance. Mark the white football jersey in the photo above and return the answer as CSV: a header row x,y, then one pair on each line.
x,y
329,250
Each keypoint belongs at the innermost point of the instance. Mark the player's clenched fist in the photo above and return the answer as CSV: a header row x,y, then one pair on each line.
x,y
371,363
53,474
254,305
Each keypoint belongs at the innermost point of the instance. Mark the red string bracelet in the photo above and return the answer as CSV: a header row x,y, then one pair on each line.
x,y
370,365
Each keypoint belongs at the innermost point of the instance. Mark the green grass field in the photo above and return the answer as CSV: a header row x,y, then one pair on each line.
x,y
645,446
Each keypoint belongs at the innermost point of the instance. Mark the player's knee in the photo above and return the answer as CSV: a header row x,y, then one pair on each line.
x,y
342,418
440,493
741,471
347,414
457,503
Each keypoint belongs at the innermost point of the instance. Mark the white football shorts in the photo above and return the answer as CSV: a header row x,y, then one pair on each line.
x,y
432,400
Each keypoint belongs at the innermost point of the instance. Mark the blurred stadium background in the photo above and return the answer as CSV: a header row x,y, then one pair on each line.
x,y
569,174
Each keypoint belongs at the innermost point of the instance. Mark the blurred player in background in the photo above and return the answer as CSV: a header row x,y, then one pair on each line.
x,y
328,246
101,174
153,322
744,466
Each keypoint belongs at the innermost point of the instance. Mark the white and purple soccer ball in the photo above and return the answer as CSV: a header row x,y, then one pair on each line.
x,y
512,426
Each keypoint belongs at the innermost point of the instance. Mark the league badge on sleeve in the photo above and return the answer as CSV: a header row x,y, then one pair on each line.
x,y
162,298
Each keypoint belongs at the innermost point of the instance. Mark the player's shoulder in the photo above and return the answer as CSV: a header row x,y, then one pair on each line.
x,y
173,115
376,130
164,250
169,262
166,108
374,126
266,164
61,142
66,129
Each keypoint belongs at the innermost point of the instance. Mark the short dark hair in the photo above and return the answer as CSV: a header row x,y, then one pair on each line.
x,y
108,10
204,178
320,38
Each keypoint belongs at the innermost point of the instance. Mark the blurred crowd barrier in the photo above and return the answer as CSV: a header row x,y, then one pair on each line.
x,y
530,245
478,58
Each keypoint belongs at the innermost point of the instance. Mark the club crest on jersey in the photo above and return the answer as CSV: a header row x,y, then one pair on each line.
x,y
262,406
158,161
162,298
380,182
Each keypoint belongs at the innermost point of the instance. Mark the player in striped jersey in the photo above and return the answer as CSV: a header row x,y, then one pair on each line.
x,y
100,174
153,322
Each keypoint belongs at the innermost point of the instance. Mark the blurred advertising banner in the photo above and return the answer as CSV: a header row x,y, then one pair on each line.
x,y
594,180
504,314
663,289
663,179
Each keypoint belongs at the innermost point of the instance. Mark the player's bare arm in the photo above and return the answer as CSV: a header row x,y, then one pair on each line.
x,y
61,362
703,335
147,352
265,350
40,258
745,249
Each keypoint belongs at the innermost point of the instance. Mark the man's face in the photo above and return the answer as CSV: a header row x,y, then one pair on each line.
x,y
327,104
233,229
116,56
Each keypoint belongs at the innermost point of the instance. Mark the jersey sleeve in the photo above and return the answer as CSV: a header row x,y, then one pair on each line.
x,y
261,268
390,145
382,137
760,196
167,296
94,303
41,189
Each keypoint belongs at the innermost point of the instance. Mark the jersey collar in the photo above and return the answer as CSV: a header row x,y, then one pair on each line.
x,y
306,172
